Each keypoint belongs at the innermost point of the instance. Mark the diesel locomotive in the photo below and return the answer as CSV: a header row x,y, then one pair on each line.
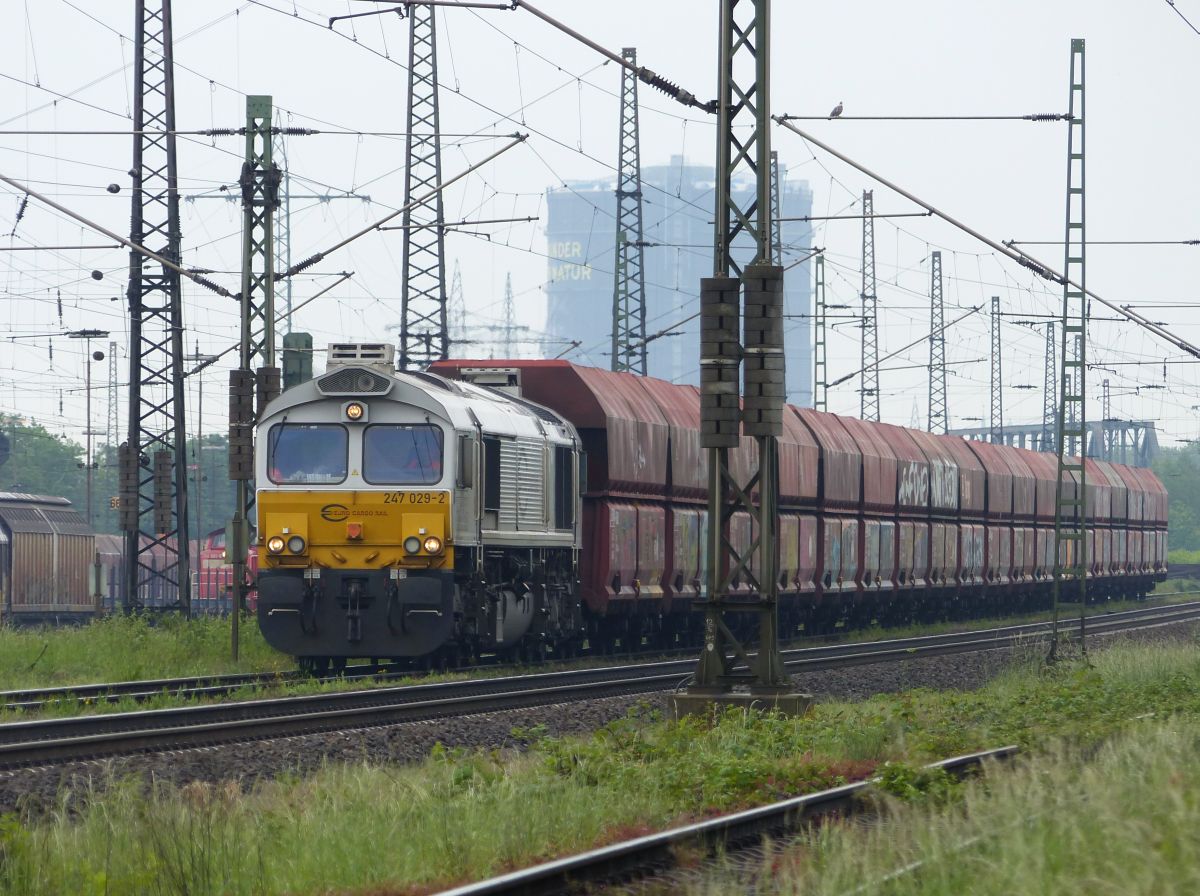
x,y
403,513
526,507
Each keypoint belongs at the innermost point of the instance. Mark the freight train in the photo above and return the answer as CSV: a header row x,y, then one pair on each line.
x,y
525,508
55,569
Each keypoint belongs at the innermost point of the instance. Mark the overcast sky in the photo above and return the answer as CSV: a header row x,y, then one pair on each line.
x,y
504,71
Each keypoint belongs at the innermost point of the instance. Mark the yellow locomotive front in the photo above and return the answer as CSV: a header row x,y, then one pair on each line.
x,y
354,517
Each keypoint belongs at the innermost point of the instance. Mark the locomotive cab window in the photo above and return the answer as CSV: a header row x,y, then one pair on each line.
x,y
402,454
306,453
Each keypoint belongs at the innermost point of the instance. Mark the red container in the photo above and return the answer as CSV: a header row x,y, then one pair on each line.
x,y
622,428
799,463
1156,496
972,554
943,472
1028,485
652,550
852,570
608,569
887,554
683,575
789,551
871,577
680,407
878,463
912,470
806,573
829,569
1119,491
998,478
1098,493
971,477
1135,493
840,461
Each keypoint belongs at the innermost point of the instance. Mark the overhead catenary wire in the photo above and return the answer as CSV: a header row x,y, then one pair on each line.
x,y
1022,258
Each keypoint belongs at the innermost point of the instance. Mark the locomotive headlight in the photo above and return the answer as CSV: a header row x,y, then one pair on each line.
x,y
412,544
296,544
275,544
354,411
433,544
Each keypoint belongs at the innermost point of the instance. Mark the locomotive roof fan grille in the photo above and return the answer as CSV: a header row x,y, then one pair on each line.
x,y
355,369
353,381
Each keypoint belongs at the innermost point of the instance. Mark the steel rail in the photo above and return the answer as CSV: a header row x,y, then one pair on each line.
x,y
32,699
643,855
47,741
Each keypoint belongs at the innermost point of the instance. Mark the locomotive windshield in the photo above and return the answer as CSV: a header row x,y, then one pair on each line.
x,y
307,453
402,454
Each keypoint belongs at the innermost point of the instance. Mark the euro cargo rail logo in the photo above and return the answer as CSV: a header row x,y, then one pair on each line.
x,y
335,513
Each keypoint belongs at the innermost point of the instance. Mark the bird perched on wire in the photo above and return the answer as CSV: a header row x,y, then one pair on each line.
x,y
837,111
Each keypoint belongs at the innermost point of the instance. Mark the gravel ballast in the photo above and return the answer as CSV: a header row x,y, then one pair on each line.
x,y
36,789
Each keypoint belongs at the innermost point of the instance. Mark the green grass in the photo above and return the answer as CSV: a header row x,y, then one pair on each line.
x,y
1121,819
129,648
381,828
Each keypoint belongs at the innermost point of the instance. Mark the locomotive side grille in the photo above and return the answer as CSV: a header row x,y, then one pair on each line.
x,y
531,479
522,485
353,381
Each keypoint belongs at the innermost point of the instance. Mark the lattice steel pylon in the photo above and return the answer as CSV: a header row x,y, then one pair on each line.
x,y
743,148
820,355
424,335
868,406
1108,437
937,348
114,403
776,211
1050,393
256,380
157,567
457,308
259,181
1070,515
510,317
996,415
629,278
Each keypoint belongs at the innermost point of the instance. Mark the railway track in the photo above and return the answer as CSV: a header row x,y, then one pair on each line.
x,y
200,686
49,741
655,852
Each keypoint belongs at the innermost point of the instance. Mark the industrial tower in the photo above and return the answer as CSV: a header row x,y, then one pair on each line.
x,y
1070,523
153,460
423,328
629,287
937,348
869,398
743,147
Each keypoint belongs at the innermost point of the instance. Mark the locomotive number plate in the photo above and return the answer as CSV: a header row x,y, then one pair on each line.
x,y
414,498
